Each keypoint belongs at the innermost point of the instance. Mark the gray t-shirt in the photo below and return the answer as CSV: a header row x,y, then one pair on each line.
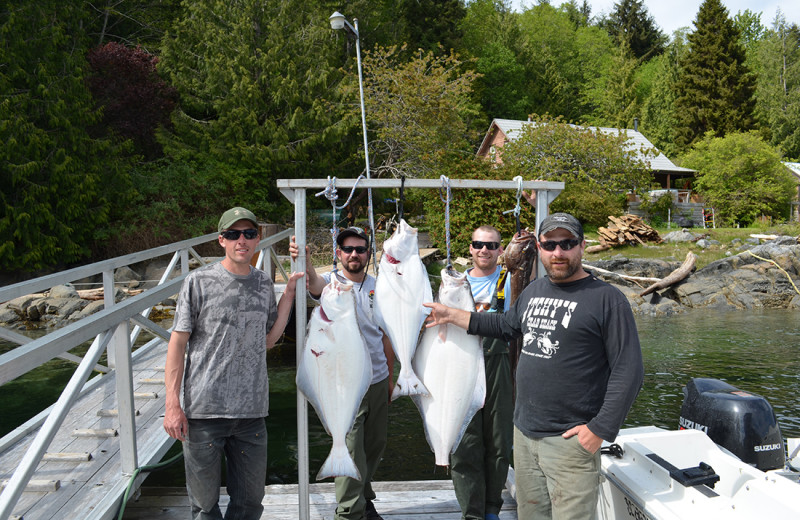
x,y
373,335
228,317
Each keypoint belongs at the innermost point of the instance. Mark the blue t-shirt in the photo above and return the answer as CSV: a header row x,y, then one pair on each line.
x,y
485,287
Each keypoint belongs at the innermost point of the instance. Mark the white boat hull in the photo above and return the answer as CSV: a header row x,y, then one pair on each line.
x,y
639,486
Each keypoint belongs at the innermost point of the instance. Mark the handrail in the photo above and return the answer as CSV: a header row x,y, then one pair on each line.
x,y
100,325
16,290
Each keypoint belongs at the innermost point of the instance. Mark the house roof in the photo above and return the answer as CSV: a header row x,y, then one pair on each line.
x,y
794,167
511,128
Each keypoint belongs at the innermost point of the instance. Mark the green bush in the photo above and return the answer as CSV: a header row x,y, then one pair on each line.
x,y
657,210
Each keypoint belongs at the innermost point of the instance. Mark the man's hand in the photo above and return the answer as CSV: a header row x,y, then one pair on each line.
x,y
442,315
175,423
588,440
294,250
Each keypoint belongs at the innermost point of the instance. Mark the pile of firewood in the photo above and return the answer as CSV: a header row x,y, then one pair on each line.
x,y
627,229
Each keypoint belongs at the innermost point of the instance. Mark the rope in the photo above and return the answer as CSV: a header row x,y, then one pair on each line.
x,y
516,209
773,262
401,198
446,187
330,193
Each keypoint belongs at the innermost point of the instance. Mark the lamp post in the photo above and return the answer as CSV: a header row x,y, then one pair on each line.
x,y
338,21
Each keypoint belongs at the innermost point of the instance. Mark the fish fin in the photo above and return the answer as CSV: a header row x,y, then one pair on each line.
x,y
339,464
408,384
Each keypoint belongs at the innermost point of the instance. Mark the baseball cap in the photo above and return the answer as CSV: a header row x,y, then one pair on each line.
x,y
563,221
233,215
352,231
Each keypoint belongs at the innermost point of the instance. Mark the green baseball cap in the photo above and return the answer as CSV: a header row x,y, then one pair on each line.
x,y
233,215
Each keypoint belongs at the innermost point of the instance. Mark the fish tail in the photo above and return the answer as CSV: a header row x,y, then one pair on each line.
x,y
339,464
408,384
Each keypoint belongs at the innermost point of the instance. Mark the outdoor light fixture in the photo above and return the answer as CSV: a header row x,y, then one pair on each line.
x,y
338,21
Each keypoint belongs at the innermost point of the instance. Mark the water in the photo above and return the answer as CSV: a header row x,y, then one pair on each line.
x,y
756,351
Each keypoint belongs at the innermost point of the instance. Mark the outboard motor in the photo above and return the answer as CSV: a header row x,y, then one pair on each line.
x,y
741,422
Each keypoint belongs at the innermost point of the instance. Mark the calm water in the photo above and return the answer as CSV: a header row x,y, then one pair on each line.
x,y
755,351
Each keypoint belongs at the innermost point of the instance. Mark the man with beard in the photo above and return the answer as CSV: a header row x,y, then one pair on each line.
x,y
367,440
479,465
578,375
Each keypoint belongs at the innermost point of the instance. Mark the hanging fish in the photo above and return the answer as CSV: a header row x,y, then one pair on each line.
x,y
400,290
520,259
450,364
335,371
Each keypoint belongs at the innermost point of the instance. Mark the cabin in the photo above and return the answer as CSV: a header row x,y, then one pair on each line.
x,y
672,179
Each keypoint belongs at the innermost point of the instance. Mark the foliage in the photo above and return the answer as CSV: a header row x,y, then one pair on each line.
x,y
715,88
659,77
130,22
776,60
417,111
614,93
657,209
741,176
472,208
633,28
590,205
551,149
175,201
255,94
59,183
134,99
561,59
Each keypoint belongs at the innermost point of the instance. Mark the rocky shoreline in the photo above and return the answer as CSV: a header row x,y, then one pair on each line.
x,y
760,276
765,276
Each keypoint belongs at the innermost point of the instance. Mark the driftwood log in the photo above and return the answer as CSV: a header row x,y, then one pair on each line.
x,y
675,276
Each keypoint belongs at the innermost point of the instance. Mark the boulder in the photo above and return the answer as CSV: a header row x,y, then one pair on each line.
x,y
684,235
63,291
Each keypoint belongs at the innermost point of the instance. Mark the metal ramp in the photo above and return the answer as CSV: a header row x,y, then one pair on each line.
x,y
75,459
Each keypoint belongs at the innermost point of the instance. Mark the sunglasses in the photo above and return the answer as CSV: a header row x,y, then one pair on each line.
x,y
234,234
491,246
566,245
349,249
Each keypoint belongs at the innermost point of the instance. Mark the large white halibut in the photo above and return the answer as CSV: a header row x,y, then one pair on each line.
x,y
401,288
335,372
450,364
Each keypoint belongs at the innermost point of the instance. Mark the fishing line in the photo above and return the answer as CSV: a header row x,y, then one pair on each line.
x,y
330,193
516,209
446,186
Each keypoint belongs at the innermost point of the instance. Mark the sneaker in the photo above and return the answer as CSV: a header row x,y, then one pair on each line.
x,y
491,516
370,513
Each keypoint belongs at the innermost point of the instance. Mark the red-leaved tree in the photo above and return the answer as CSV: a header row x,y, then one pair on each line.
x,y
135,100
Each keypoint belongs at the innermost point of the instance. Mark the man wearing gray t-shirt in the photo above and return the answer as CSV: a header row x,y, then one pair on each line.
x,y
367,439
225,320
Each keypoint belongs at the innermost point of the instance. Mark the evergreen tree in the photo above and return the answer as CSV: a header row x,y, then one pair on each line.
x,y
715,89
615,92
58,183
629,24
256,94
430,24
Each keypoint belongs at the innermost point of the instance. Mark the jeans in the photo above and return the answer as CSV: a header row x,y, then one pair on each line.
x,y
243,444
556,478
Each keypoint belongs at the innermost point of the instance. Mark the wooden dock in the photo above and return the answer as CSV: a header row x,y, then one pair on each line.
x,y
412,500
80,476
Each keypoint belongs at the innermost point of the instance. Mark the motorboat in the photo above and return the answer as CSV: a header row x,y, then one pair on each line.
x,y
727,460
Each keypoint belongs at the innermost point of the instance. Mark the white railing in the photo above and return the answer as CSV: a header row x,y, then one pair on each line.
x,y
110,329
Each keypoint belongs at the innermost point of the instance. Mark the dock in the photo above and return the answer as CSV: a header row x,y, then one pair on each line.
x,y
410,500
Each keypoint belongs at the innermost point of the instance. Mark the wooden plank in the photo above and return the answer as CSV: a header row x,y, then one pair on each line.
x,y
68,457
37,486
412,500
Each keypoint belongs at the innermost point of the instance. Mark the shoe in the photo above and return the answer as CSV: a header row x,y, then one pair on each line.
x,y
491,516
370,513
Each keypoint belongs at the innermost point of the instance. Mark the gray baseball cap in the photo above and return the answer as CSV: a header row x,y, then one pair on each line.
x,y
234,215
563,221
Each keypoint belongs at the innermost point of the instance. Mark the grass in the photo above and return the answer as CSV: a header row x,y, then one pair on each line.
x,y
676,252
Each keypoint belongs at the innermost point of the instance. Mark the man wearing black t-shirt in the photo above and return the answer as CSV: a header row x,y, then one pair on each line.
x,y
578,375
